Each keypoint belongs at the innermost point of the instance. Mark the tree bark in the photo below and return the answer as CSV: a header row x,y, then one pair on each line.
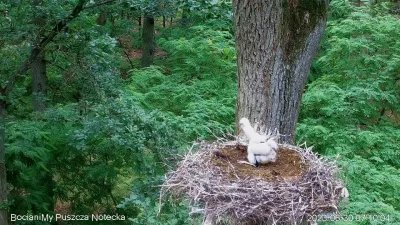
x,y
38,63
39,81
164,21
275,42
148,41
3,176
102,19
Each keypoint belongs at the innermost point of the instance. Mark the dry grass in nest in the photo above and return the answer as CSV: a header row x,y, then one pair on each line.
x,y
298,184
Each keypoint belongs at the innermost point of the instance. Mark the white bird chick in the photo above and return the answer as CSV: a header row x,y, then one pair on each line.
x,y
260,150
250,133
262,153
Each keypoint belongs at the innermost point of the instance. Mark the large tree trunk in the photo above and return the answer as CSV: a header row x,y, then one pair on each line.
x,y
275,42
148,41
39,81
4,91
3,177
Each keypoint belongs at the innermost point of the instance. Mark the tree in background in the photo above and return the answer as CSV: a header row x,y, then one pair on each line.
x,y
151,9
102,139
34,60
350,110
65,53
38,63
148,37
275,43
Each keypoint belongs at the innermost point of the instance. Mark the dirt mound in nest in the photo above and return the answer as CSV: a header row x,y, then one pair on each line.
x,y
288,165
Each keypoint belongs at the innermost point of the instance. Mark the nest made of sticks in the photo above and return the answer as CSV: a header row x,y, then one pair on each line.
x,y
299,184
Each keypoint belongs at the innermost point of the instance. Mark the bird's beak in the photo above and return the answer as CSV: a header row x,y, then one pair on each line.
x,y
240,130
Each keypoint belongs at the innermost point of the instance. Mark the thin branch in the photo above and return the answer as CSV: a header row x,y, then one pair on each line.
x,y
63,23
129,59
38,49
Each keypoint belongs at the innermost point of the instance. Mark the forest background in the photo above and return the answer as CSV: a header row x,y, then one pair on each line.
x,y
91,127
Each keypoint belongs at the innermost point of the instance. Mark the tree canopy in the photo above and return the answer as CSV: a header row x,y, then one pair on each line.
x,y
108,130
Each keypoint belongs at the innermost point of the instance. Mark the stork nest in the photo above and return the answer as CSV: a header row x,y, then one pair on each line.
x,y
298,185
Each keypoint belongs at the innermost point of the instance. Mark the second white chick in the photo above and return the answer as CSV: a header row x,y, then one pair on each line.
x,y
260,150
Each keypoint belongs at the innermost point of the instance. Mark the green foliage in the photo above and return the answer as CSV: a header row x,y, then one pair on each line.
x,y
102,139
205,10
340,9
80,160
201,52
196,91
172,212
113,135
198,79
349,109
87,67
29,153
154,8
10,56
